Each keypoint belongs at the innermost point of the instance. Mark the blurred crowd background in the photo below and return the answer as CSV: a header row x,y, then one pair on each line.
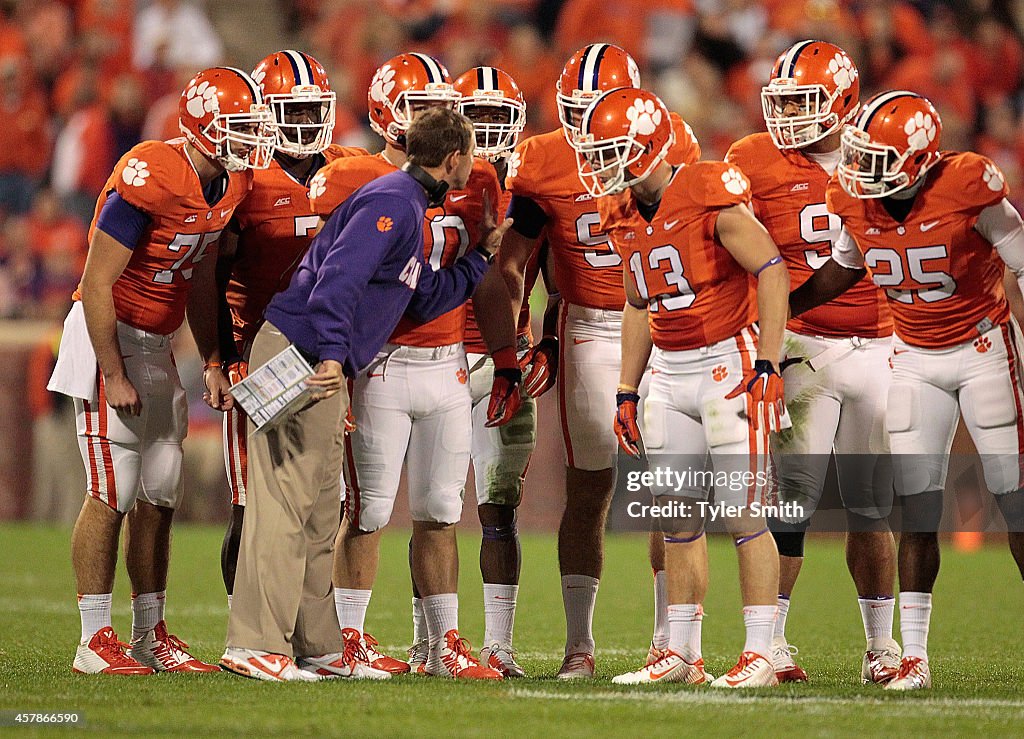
x,y
81,81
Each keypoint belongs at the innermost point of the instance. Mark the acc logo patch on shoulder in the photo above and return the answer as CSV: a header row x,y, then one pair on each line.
x,y
384,224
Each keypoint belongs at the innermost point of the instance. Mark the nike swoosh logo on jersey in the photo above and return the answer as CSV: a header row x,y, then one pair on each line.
x,y
928,226
192,218
670,224
457,198
225,212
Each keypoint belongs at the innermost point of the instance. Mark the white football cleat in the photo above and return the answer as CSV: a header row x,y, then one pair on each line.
x,y
786,668
104,653
352,662
671,668
381,661
881,665
268,666
453,657
166,653
912,675
752,671
576,666
502,659
418,655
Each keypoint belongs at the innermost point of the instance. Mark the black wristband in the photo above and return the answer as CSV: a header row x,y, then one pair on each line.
x,y
487,255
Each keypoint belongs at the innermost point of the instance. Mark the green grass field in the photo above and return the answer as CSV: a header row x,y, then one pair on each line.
x,y
975,633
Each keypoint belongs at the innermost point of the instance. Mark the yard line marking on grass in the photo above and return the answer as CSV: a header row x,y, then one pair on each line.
x,y
810,702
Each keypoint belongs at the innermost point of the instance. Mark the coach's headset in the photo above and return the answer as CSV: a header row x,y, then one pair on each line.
x,y
436,190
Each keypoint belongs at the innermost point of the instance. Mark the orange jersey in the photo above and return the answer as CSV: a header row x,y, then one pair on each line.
x,y
588,271
336,180
276,228
450,232
788,196
473,339
157,178
944,281
697,294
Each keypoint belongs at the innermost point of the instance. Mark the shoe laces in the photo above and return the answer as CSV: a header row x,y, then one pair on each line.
x,y
907,666
371,645
785,650
462,650
114,651
171,649
577,660
354,652
418,651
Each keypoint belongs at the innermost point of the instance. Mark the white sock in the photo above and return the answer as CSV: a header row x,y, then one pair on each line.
x,y
499,613
877,616
661,636
442,615
780,619
419,621
684,623
147,612
95,613
351,605
760,622
915,615
579,592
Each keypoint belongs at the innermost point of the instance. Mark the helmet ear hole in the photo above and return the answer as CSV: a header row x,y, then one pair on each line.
x,y
919,158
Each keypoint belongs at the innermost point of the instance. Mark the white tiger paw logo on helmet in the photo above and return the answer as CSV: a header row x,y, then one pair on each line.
x,y
383,83
993,177
734,181
842,71
643,116
259,75
201,99
920,130
317,186
514,162
135,172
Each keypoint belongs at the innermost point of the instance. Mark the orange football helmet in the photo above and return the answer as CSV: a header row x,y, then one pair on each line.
x,y
292,78
402,86
889,146
624,135
590,71
493,101
813,90
222,113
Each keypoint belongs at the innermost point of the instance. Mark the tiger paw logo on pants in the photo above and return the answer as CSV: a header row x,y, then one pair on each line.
x,y
462,376
720,372
982,345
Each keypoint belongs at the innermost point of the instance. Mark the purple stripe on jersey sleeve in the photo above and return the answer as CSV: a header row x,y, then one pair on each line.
x,y
122,221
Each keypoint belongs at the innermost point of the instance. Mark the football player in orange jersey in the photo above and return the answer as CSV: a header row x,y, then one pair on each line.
x,y
689,243
813,91
412,403
935,229
492,100
547,197
157,219
267,237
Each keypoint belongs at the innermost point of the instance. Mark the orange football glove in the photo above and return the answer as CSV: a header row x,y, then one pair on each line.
x,y
350,420
236,371
505,398
540,367
764,389
626,429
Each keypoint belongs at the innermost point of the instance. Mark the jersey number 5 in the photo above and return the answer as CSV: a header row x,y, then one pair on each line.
x,y
192,248
586,225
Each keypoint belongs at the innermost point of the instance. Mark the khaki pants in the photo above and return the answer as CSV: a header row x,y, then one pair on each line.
x,y
283,601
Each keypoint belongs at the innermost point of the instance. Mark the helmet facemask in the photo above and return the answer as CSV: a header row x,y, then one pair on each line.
x,y
571,108
410,102
604,166
494,138
813,121
301,140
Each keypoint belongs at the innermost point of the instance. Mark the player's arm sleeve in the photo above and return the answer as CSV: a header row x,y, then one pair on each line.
x,y
528,217
1001,225
446,289
348,266
122,221
846,253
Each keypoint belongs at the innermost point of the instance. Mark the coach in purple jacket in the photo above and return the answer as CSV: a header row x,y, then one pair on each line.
x,y
361,273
